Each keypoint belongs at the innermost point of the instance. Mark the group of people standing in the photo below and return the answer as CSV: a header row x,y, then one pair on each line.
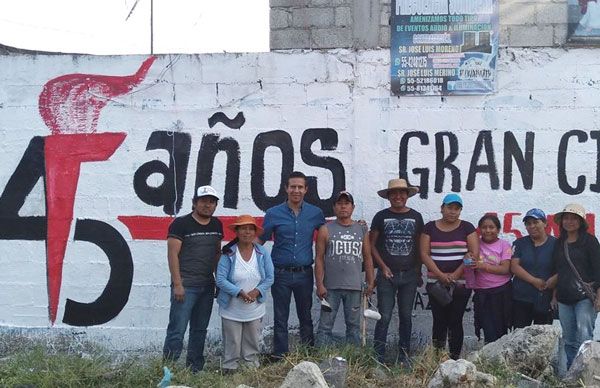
x,y
513,286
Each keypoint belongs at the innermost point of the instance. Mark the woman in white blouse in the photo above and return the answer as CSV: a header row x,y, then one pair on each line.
x,y
244,276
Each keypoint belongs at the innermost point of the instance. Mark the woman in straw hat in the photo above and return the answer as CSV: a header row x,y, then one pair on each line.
x,y
576,310
244,276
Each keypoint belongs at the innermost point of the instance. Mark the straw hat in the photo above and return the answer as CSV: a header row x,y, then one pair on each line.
x,y
246,219
398,184
573,208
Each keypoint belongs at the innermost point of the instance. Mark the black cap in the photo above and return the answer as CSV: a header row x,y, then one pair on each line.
x,y
346,194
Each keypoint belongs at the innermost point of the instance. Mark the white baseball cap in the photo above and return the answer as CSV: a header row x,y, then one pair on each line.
x,y
206,191
372,314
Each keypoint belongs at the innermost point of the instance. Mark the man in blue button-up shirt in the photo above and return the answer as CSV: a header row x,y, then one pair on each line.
x,y
293,224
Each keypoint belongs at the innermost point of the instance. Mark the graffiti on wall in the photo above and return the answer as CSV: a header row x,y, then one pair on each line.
x,y
516,158
70,106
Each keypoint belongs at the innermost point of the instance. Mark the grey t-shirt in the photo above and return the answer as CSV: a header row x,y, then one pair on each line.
x,y
343,257
198,249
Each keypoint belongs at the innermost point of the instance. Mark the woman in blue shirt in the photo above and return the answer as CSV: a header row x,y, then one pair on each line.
x,y
533,269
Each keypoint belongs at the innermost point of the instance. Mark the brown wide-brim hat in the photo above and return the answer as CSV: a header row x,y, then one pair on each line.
x,y
246,219
573,208
398,184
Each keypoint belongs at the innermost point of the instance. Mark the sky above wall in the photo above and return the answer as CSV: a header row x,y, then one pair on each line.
x,y
108,27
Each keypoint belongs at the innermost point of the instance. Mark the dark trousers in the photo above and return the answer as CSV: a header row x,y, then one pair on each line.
x,y
301,285
401,288
524,313
447,321
492,311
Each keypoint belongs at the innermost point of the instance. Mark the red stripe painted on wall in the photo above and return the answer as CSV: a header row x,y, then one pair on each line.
x,y
156,228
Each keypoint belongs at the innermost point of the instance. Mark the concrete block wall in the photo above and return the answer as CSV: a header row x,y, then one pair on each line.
x,y
322,24
318,24
533,23
327,113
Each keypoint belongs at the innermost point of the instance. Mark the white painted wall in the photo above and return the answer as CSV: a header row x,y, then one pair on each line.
x,y
546,91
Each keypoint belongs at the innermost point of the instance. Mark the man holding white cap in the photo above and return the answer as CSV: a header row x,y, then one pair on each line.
x,y
194,245
342,250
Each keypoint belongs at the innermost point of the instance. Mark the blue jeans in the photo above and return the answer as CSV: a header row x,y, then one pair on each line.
x,y
195,309
301,285
577,321
351,300
402,287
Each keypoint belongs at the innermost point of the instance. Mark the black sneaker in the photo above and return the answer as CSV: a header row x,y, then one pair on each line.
x,y
273,358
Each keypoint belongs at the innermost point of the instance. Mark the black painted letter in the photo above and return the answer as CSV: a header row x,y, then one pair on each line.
x,y
483,142
595,187
329,142
209,148
563,184
524,160
170,192
283,141
445,163
403,161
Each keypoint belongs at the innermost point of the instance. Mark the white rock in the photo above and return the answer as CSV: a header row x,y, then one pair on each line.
x,y
460,373
586,365
306,374
529,350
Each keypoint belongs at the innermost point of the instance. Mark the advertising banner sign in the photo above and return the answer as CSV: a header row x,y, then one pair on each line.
x,y
444,47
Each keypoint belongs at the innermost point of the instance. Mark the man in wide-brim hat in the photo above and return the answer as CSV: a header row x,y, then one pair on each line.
x,y
394,237
398,184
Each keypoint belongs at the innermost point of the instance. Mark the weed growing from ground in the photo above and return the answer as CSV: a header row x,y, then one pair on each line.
x,y
41,367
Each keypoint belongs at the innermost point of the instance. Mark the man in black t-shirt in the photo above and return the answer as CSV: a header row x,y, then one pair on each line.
x,y
193,245
394,241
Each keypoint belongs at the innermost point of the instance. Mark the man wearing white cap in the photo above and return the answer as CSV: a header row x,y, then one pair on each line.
x,y
193,246
394,239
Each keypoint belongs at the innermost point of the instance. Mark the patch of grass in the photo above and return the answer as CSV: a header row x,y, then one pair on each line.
x,y
506,376
41,367
425,365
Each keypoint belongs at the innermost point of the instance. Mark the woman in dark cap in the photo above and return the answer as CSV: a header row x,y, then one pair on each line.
x,y
532,266
577,263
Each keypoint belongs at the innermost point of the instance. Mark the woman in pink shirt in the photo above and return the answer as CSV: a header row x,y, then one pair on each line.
x,y
491,275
